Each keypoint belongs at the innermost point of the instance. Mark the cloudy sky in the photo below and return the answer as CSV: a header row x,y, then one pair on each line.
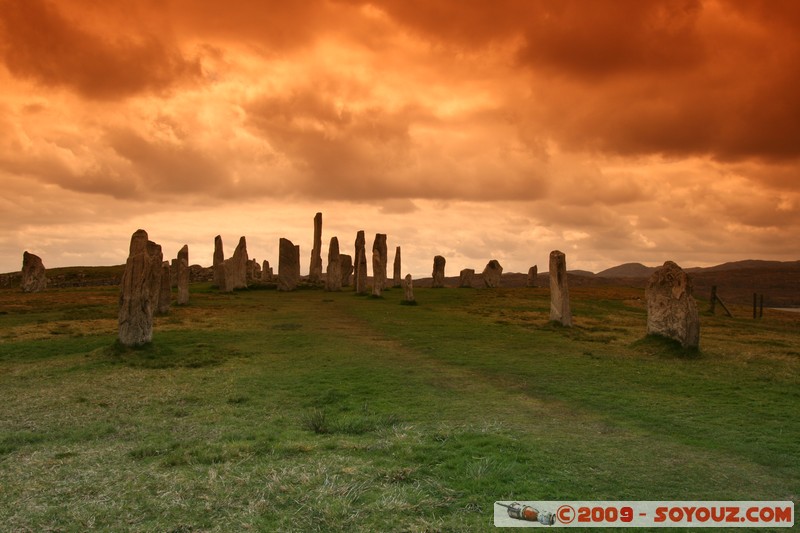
x,y
614,131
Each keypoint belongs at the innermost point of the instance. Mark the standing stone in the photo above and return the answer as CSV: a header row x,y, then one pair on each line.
x,y
360,265
173,273
333,278
219,264
559,290
671,309
315,270
34,276
465,278
378,264
266,271
533,273
139,289
235,268
492,274
396,275
288,265
182,276
253,270
438,272
165,292
155,280
408,289
346,263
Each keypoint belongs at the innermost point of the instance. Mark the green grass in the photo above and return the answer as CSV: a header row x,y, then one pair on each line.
x,y
314,411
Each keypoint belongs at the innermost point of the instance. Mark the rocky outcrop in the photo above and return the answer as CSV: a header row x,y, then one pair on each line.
x,y
671,308
559,290
34,275
492,274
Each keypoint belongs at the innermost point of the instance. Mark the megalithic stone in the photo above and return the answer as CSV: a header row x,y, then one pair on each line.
x,y
266,271
378,264
333,278
360,264
438,272
288,265
408,289
492,274
533,272
165,292
396,275
671,308
219,264
173,273
559,289
34,275
315,269
465,278
139,289
236,267
346,263
183,275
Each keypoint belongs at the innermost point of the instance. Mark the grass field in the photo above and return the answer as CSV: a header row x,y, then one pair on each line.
x,y
315,411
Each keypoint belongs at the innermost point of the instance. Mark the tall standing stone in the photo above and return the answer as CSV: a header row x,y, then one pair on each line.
x,y
288,265
182,276
173,273
533,273
266,271
492,274
333,277
438,272
465,278
346,263
235,268
165,292
378,264
315,270
408,289
34,275
396,275
559,290
139,288
360,265
671,309
219,264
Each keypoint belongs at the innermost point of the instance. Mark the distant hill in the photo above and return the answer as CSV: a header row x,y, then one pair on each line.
x,y
628,270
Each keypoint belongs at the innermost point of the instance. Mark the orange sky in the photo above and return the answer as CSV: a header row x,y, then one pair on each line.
x,y
615,131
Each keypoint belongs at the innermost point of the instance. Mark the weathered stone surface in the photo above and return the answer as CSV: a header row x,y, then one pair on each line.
x,y
139,289
346,263
182,264
379,253
219,264
333,278
671,308
396,275
492,274
559,289
533,273
465,278
253,270
34,275
438,272
288,265
173,273
315,269
408,289
266,271
235,268
360,265
165,292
